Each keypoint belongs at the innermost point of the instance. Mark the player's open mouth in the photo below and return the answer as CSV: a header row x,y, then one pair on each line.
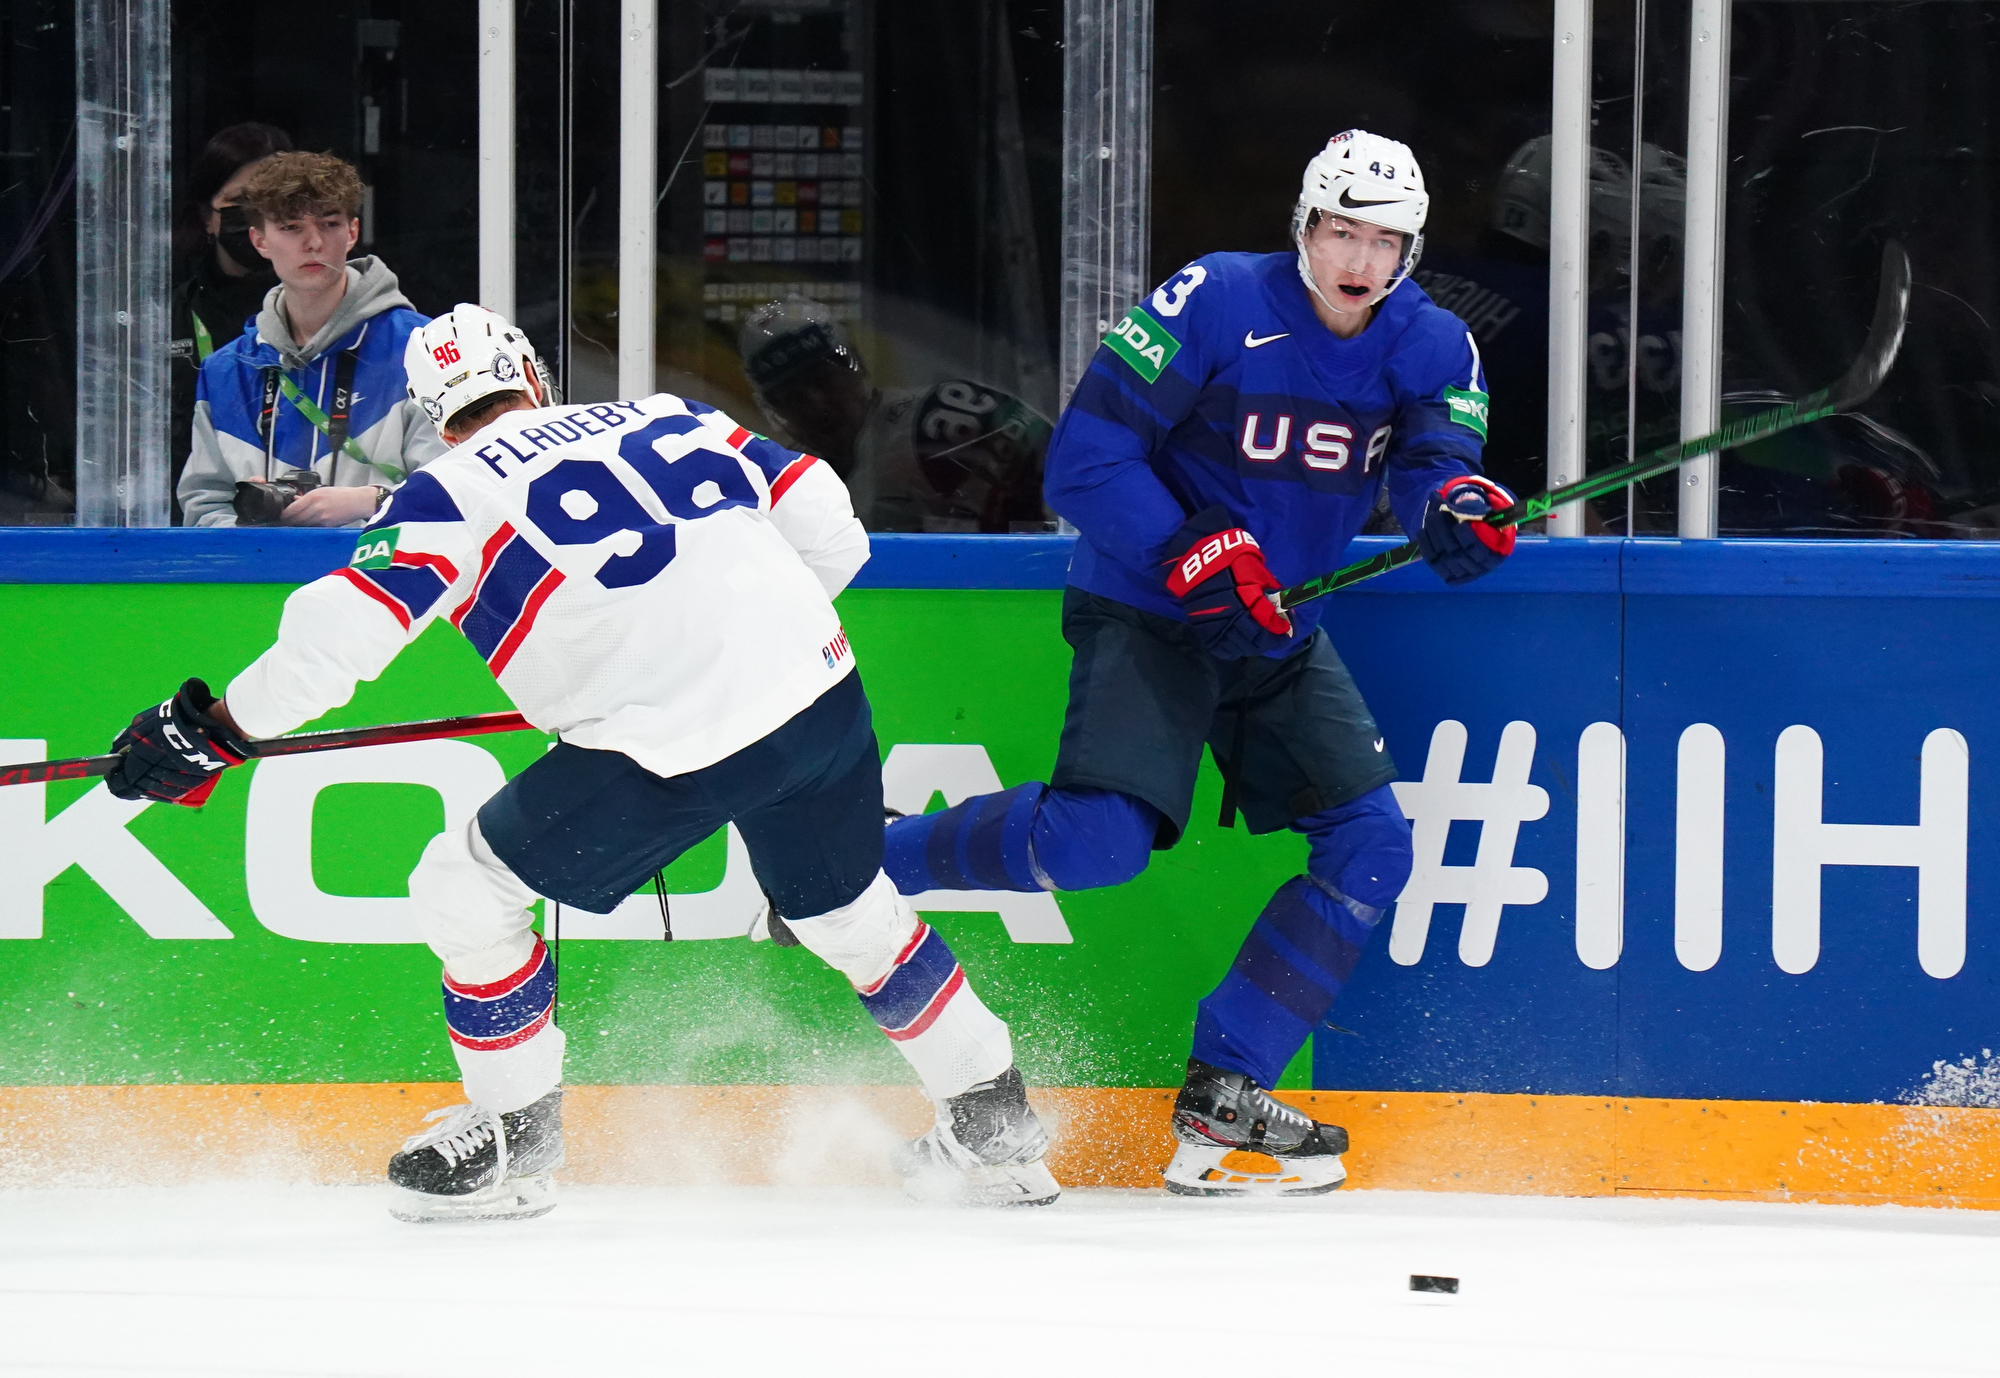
x,y
1353,291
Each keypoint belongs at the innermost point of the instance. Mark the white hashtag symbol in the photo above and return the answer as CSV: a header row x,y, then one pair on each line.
x,y
1493,880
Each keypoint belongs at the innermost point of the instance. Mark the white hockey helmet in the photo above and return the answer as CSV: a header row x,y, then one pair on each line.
x,y
465,356
1365,177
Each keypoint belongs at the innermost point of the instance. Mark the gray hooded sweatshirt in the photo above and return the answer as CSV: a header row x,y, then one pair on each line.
x,y
234,440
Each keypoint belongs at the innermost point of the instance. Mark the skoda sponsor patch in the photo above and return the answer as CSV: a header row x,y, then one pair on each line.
x,y
376,549
1468,409
1143,343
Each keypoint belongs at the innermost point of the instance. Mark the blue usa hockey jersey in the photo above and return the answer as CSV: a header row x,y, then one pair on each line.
x,y
1222,387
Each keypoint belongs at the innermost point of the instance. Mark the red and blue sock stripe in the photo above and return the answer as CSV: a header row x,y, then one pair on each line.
x,y
500,1014
909,999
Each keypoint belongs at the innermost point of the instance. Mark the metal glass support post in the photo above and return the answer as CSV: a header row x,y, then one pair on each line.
x,y
1569,256
496,156
1107,172
638,191
122,274
1701,283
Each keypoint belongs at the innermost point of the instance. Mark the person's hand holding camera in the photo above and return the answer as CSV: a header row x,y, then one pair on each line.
x,y
302,500
330,507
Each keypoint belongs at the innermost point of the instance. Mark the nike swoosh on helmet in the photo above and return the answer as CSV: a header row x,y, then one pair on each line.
x,y
1347,200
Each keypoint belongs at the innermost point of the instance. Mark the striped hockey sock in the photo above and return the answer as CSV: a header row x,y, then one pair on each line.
x,y
509,1050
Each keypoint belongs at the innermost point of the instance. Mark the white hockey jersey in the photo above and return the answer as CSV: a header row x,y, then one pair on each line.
x,y
645,577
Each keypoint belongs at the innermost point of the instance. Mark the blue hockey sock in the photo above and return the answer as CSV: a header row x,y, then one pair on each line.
x,y
1030,837
1296,958
1306,943
980,844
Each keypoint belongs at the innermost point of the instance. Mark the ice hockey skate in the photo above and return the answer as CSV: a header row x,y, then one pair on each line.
x,y
473,1164
1220,1115
985,1150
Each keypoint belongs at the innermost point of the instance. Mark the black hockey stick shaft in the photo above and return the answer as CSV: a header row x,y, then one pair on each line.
x,y
87,767
1857,385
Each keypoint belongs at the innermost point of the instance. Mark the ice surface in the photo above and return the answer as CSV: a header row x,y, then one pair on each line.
x,y
319,1281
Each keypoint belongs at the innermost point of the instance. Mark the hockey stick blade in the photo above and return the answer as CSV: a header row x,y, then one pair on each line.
x,y
87,767
1850,390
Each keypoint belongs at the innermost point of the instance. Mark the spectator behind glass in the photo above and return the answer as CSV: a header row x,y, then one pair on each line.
x,y
319,379
960,457
219,280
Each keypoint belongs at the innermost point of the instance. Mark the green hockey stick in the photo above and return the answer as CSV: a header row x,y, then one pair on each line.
x,y
1857,385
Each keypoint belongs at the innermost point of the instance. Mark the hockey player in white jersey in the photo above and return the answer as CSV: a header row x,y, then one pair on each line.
x,y
654,584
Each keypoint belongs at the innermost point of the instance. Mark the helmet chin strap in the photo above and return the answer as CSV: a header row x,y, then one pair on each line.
x,y
1312,286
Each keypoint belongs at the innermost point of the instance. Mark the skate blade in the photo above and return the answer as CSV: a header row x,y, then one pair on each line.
x,y
1015,1184
1203,1170
518,1198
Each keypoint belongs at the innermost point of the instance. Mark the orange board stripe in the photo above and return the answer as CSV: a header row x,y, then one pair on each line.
x,y
1409,1141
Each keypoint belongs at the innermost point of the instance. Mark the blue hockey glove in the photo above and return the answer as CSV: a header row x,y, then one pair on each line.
x,y
175,752
1455,538
1223,586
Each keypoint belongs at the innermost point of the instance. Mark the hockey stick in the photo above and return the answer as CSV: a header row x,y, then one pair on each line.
x,y
85,767
1857,385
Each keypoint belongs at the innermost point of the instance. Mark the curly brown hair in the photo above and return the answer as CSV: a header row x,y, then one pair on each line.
x,y
286,186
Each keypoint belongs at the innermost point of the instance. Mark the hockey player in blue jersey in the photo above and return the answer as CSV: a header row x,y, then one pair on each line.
x,y
1230,438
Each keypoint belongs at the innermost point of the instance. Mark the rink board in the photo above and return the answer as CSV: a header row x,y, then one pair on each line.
x,y
122,973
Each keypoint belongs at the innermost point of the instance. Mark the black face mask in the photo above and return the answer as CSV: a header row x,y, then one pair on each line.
x,y
232,236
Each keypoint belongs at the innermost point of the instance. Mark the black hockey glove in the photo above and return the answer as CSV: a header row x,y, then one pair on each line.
x,y
175,753
1456,539
1223,586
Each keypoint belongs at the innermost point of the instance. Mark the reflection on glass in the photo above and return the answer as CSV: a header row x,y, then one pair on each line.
x,y
1850,124
1501,291
957,457
856,242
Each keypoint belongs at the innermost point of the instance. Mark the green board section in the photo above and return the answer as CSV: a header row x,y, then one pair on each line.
x,y
97,999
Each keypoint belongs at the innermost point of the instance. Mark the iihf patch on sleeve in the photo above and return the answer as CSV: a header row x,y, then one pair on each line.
x,y
1143,343
375,549
1468,409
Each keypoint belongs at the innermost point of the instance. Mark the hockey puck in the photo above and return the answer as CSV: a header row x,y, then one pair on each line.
x,y
1424,1282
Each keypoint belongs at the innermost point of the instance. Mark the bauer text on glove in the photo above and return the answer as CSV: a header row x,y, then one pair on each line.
x,y
1224,587
175,752
1456,539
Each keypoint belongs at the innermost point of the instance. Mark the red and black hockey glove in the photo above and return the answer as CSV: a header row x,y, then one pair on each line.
x,y
175,753
1456,539
1224,587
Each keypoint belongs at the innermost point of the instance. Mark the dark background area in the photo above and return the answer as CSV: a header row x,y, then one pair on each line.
x,y
1850,123
1245,96
37,260
326,76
